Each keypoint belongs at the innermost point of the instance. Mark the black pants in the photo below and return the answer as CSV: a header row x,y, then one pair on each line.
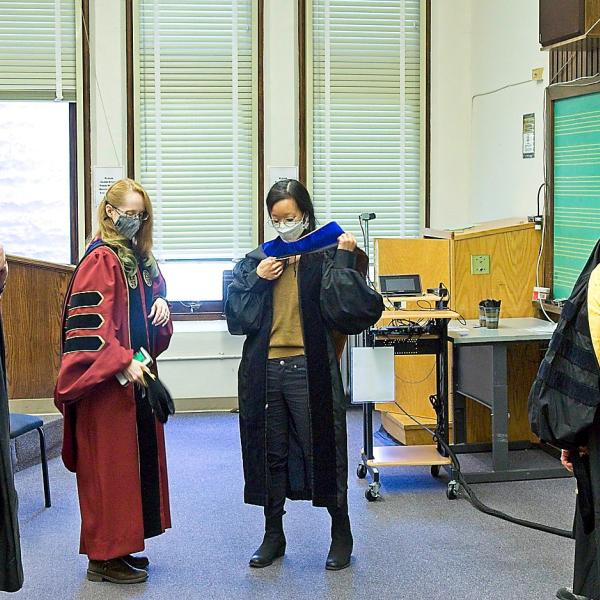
x,y
288,417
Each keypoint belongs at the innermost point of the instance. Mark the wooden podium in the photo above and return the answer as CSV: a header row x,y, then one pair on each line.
x,y
512,246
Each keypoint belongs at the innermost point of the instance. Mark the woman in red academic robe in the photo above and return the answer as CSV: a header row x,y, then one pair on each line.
x,y
112,441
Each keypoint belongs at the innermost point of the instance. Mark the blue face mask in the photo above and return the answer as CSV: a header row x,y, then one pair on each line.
x,y
128,226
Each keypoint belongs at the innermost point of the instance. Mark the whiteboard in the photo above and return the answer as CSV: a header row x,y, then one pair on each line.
x,y
372,375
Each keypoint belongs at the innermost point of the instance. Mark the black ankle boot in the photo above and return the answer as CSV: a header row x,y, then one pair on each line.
x,y
340,551
273,545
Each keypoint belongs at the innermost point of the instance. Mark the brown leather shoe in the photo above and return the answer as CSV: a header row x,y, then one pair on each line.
x,y
115,571
137,562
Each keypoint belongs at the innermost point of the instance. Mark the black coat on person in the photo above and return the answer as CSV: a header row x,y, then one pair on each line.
x,y
11,569
334,298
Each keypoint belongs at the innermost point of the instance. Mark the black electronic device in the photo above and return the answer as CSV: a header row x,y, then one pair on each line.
x,y
443,296
400,285
409,329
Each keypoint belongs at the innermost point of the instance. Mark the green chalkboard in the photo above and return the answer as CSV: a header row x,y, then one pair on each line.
x,y
576,187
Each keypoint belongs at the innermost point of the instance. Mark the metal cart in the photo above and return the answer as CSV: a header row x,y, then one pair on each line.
x,y
434,342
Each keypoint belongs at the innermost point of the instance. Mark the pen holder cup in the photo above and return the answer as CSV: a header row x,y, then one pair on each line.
x,y
481,316
492,316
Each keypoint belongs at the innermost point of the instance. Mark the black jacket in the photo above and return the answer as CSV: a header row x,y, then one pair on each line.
x,y
566,392
563,401
11,570
334,297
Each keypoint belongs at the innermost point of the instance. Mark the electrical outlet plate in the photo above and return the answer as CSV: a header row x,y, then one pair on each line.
x,y
480,264
537,74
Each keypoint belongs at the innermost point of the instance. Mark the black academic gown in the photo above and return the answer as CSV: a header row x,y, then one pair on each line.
x,y
334,298
586,578
11,569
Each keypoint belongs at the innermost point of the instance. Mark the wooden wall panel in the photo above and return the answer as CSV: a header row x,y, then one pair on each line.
x,y
31,308
513,257
429,258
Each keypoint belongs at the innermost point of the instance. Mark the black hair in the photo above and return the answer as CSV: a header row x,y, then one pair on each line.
x,y
286,189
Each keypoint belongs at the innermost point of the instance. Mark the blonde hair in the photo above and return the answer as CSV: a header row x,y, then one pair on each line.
x,y
141,245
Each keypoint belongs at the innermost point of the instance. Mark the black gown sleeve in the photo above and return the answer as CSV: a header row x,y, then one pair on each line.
x,y
246,299
348,304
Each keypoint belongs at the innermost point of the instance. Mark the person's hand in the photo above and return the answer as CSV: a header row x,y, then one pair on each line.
x,y
135,372
160,312
565,460
270,268
347,241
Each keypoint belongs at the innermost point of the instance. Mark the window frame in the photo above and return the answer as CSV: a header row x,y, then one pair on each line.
x,y
205,310
305,110
80,130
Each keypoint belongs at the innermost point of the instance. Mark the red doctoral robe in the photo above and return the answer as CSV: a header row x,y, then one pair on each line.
x,y
102,443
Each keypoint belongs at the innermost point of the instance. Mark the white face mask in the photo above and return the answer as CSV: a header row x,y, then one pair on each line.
x,y
290,232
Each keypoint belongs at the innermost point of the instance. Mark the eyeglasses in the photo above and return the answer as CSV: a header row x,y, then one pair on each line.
x,y
140,216
289,221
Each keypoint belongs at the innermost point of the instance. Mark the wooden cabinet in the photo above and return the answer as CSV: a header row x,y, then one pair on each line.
x,y
512,247
566,21
32,311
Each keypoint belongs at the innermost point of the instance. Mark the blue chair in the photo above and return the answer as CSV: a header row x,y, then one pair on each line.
x,y
22,424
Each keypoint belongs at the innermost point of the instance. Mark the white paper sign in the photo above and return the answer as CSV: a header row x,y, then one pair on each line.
x,y
104,177
372,375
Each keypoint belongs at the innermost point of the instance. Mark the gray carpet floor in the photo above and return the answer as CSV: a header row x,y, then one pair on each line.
x,y
412,544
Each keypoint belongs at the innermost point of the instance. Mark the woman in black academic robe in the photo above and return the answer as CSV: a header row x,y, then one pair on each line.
x,y
11,570
292,408
586,576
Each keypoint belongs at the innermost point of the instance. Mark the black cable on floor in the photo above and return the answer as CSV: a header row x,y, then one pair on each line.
x,y
471,496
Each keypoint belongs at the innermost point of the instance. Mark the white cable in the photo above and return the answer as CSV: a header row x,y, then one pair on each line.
x,y
95,76
58,50
537,269
158,130
327,109
574,82
235,127
592,27
402,187
500,89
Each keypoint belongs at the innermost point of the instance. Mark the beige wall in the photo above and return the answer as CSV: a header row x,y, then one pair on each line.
x,y
450,112
477,169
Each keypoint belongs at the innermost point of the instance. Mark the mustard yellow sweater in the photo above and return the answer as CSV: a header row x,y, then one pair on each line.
x,y
286,331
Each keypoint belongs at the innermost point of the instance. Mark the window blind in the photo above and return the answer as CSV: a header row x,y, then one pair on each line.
x,y
197,124
37,50
365,117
